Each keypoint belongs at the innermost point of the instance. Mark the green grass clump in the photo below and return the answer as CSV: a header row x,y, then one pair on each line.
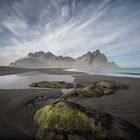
x,y
61,118
108,91
83,92
98,89
105,87
53,84
105,84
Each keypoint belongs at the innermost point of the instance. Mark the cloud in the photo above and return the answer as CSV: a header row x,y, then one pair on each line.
x,y
71,27
65,11
15,25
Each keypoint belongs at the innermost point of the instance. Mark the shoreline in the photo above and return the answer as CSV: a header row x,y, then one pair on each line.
x,y
107,72
5,70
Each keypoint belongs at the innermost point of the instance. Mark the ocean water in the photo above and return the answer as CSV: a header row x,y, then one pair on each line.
x,y
118,72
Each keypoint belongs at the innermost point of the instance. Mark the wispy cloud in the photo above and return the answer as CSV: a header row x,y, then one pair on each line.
x,y
16,26
70,27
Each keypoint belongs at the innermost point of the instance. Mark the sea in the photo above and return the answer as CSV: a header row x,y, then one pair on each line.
x,y
118,72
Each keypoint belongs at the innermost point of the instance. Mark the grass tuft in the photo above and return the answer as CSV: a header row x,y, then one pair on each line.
x,y
61,118
98,89
53,84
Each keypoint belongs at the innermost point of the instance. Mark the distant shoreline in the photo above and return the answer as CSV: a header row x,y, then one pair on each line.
x,y
6,70
119,72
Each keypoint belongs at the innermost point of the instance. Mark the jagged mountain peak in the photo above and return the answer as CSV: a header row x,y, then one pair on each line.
x,y
96,52
39,54
49,60
49,53
36,54
88,54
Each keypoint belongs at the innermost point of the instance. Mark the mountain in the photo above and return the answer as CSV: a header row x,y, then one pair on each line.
x,y
40,59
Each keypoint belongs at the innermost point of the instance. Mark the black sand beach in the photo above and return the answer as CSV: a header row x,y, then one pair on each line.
x,y
124,103
17,107
4,70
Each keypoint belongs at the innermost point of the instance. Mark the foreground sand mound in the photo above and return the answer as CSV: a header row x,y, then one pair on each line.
x,y
65,120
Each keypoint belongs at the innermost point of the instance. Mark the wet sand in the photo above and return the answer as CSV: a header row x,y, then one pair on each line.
x,y
4,70
18,106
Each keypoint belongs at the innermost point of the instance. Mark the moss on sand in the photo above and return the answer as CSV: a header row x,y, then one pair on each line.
x,y
98,89
53,84
83,92
69,121
61,118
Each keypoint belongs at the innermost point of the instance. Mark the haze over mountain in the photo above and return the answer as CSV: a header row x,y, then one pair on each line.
x,y
41,59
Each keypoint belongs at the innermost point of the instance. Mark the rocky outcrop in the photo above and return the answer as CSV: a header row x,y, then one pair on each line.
x,y
41,59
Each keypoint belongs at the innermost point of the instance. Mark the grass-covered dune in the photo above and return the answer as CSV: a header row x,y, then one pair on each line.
x,y
53,84
98,89
65,120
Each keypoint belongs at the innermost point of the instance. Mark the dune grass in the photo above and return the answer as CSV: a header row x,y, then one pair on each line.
x,y
63,119
60,120
105,84
83,92
98,89
53,84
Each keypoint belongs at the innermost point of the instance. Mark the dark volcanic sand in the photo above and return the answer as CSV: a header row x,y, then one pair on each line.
x,y
4,70
11,70
124,103
16,106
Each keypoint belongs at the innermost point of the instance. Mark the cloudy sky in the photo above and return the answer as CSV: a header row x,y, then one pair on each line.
x,y
71,27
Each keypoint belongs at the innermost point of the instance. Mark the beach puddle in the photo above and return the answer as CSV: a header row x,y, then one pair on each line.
x,y
66,91
22,81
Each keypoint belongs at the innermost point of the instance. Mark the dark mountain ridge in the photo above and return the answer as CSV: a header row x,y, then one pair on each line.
x,y
40,59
